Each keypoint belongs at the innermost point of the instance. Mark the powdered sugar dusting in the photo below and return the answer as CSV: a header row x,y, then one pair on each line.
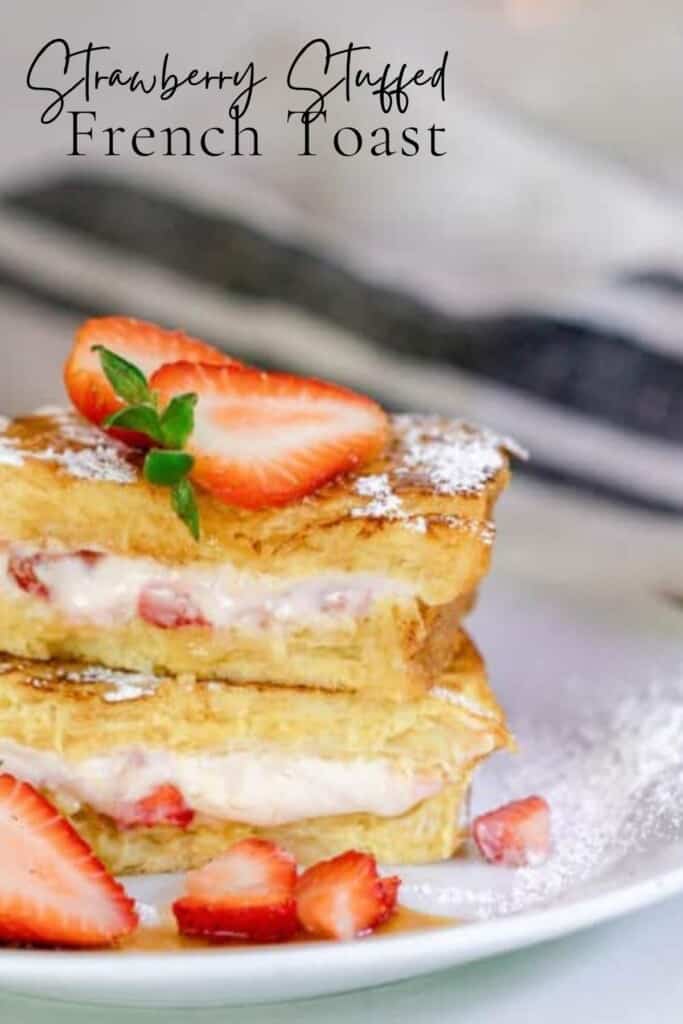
x,y
79,449
385,504
119,685
440,456
614,781
449,456
383,501
101,462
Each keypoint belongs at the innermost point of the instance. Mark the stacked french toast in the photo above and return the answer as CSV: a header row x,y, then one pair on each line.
x,y
231,604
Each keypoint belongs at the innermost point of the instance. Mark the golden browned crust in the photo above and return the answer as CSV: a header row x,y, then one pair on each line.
x,y
396,649
431,831
69,710
421,513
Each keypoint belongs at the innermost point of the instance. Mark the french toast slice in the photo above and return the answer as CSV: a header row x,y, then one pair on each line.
x,y
361,584
318,771
396,651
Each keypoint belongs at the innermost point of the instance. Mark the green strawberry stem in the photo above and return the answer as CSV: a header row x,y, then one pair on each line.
x,y
166,464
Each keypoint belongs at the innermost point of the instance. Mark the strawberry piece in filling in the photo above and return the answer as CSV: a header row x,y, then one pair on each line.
x,y
163,605
164,806
25,569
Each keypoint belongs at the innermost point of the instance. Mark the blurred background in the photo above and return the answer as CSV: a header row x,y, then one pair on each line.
x,y
531,279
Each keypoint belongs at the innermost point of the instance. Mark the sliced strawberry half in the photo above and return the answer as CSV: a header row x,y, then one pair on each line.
x,y
345,897
264,439
163,605
516,835
146,345
247,893
165,805
53,890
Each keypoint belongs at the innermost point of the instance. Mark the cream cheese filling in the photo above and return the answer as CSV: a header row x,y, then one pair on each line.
x,y
109,590
256,786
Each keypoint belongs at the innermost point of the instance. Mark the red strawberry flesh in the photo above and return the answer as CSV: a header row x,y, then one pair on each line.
x,y
267,439
247,893
144,344
163,605
25,569
345,897
53,890
515,835
165,805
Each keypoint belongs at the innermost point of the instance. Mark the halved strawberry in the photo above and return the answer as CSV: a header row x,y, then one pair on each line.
x,y
25,569
516,835
145,345
264,439
163,605
345,897
53,890
164,806
247,893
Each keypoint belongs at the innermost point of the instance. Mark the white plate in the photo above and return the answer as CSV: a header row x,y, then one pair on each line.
x,y
575,677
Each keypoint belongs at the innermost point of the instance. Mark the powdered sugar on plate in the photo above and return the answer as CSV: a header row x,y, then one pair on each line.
x,y
614,781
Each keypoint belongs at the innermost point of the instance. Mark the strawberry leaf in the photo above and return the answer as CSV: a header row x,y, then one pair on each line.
x,y
167,465
185,506
128,382
143,419
177,420
167,468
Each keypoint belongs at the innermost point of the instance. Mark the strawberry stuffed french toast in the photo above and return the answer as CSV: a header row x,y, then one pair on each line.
x,y
259,527
231,604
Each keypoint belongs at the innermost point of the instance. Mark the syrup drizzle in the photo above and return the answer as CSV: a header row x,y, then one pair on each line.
x,y
165,938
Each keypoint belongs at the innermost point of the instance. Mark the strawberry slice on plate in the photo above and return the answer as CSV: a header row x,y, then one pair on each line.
x,y
247,893
345,897
165,805
53,890
146,345
264,439
515,835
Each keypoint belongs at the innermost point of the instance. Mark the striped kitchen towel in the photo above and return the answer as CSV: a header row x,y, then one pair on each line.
x,y
593,388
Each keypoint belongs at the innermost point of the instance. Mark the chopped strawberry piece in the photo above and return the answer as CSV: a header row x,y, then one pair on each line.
x,y
516,835
53,890
247,893
345,896
145,345
264,439
164,806
163,605
25,569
